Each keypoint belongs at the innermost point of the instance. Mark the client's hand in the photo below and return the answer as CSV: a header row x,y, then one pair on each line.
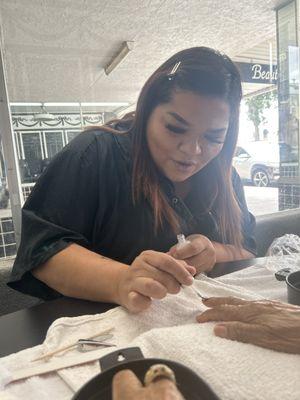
x,y
269,324
126,386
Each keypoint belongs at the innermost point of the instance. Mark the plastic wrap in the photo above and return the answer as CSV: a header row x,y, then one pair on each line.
x,y
284,252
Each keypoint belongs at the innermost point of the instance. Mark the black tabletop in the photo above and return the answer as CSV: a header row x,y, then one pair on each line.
x,y
27,328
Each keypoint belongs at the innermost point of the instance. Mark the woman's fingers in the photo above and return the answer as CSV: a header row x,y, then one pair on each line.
x,y
190,249
167,263
192,270
152,275
137,302
149,287
203,261
198,251
166,279
125,385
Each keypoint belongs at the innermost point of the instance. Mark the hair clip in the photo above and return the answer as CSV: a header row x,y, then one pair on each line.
x,y
174,70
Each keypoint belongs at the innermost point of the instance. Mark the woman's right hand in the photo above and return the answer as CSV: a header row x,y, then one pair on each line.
x,y
152,275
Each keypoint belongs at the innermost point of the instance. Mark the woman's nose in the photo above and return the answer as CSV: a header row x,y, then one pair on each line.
x,y
191,147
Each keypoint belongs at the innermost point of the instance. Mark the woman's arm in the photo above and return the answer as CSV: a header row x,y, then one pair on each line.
x,y
81,273
78,272
227,252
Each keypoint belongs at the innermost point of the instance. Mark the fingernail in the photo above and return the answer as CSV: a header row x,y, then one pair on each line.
x,y
190,280
221,331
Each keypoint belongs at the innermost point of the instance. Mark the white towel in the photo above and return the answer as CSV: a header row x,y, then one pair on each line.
x,y
168,330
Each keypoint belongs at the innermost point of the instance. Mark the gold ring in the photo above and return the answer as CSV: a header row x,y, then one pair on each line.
x,y
158,371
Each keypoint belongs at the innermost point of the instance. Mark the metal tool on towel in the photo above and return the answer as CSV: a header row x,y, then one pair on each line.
x,y
84,345
70,346
198,293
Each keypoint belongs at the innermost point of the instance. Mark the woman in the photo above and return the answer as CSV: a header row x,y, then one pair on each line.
x,y
117,196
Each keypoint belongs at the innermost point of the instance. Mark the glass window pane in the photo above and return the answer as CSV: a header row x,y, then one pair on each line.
x,y
54,143
32,151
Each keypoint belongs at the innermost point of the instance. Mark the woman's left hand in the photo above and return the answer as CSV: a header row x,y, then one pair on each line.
x,y
200,253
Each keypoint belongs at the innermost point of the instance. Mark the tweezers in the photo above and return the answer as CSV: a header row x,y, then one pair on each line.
x,y
198,293
85,344
89,344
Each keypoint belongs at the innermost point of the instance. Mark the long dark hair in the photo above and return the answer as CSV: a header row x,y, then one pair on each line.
x,y
202,71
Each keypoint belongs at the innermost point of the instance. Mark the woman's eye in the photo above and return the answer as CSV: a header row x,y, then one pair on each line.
x,y
175,129
215,140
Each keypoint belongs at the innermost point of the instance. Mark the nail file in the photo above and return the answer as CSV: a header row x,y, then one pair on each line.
x,y
182,242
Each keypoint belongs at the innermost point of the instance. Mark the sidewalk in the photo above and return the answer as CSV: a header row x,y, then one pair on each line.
x,y
261,200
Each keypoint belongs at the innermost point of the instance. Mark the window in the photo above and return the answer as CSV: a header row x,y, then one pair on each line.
x,y
54,143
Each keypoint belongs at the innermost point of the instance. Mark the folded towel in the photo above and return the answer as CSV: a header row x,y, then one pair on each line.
x,y
168,330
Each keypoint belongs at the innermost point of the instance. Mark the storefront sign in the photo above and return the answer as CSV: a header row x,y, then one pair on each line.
x,y
257,73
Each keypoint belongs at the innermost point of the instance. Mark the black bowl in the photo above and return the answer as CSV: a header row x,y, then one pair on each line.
x,y
293,288
190,384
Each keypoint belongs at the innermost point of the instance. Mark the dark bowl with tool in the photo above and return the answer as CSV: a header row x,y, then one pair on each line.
x,y
293,284
190,384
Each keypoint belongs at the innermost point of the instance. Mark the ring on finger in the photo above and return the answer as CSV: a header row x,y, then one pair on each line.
x,y
158,371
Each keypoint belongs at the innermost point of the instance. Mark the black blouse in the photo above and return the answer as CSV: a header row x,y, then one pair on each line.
x,y
84,197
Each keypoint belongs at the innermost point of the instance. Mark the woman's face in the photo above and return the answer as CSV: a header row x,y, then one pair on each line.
x,y
187,133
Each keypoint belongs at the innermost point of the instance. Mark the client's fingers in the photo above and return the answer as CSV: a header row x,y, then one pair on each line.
x,y
218,301
125,385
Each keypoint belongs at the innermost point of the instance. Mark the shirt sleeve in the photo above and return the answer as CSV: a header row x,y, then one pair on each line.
x,y
248,219
60,210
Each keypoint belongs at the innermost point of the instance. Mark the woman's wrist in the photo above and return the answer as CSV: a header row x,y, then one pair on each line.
x,y
228,252
119,285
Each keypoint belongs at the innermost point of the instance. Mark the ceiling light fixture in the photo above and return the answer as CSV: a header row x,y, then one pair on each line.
x,y
126,47
43,115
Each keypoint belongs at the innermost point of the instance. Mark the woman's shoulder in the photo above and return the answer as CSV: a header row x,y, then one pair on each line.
x,y
98,142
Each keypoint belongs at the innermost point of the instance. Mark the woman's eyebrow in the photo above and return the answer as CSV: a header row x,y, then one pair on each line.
x,y
184,122
179,118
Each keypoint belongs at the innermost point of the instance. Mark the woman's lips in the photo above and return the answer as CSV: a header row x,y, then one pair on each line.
x,y
185,166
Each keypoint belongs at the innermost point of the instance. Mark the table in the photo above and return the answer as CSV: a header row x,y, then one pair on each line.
x,y
27,328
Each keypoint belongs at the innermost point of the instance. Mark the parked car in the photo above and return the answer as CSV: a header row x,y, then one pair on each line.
x,y
258,162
